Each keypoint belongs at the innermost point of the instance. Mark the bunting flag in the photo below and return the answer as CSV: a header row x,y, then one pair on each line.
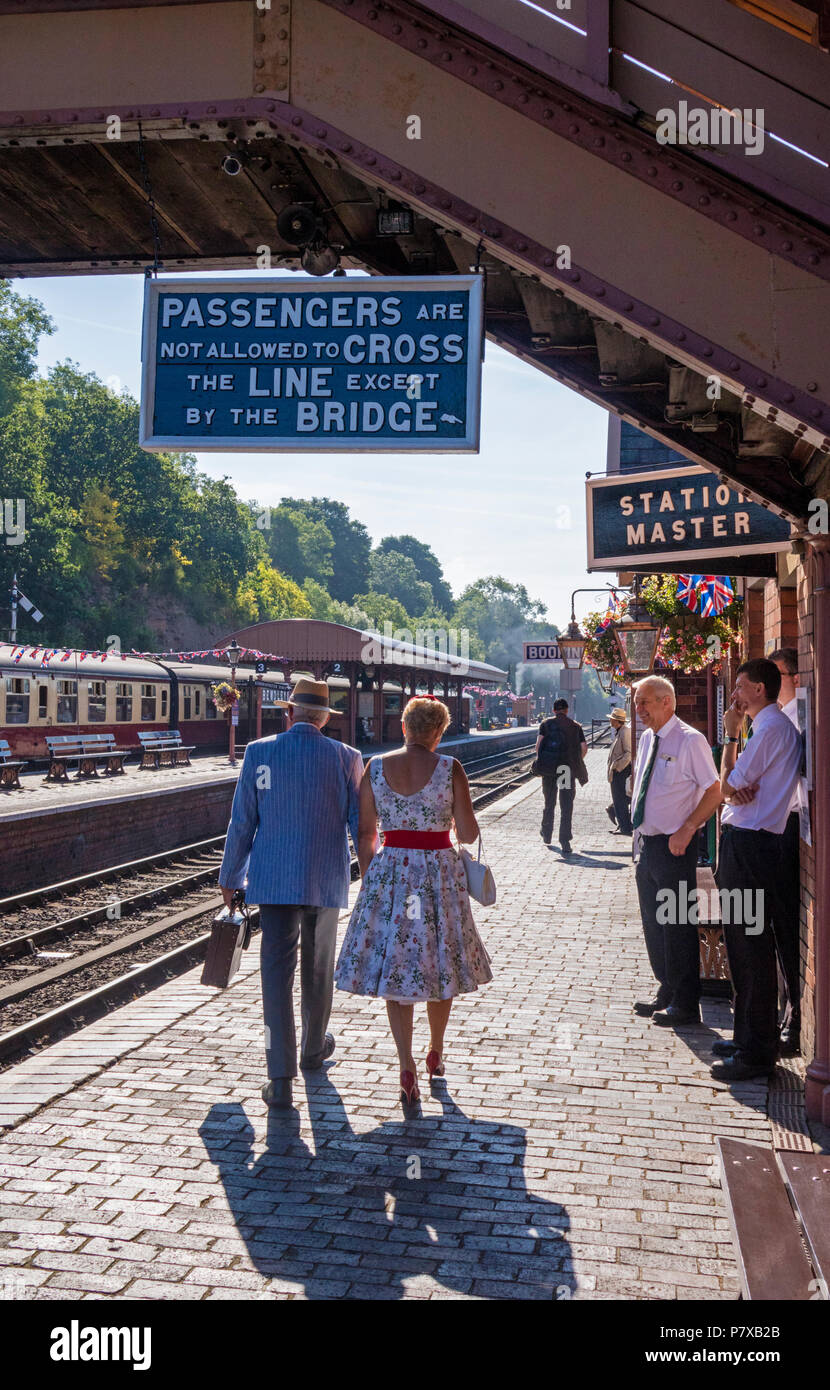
x,y
716,593
611,614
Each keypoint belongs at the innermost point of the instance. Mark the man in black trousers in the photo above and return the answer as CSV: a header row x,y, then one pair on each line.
x,y
786,910
758,788
561,745
675,791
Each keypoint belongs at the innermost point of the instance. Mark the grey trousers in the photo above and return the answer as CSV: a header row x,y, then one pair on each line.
x,y
314,930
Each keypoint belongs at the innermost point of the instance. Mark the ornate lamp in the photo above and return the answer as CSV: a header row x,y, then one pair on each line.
x,y
606,680
572,646
638,637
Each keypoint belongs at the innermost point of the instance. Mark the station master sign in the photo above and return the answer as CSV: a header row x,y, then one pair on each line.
x,y
280,364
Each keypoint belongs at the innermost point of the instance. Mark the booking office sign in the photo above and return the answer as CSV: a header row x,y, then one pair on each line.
x,y
275,364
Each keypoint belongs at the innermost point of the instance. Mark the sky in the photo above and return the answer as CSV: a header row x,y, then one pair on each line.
x,y
516,509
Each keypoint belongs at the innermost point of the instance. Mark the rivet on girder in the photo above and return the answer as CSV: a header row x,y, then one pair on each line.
x,y
734,366
677,185
346,147
498,86
759,230
395,174
471,72
548,260
813,259
703,201
651,171
786,246
575,277
523,98
422,43
815,413
322,132
654,320
812,385
573,129
600,293
788,396
707,352
625,157
627,306
396,29
731,216
297,120
547,114
521,245
419,187
760,381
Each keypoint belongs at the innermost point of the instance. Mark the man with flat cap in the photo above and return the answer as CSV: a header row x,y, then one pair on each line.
x,y
298,794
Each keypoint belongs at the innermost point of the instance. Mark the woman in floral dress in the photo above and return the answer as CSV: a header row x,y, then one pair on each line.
x,y
412,937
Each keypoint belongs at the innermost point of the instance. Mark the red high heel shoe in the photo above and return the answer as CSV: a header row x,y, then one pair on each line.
x,y
409,1087
435,1064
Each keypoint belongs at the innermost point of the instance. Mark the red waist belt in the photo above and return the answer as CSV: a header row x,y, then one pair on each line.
x,y
417,839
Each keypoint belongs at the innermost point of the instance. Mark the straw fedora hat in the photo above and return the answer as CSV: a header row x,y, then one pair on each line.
x,y
617,715
309,694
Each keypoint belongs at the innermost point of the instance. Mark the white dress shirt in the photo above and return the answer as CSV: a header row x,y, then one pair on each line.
x,y
684,769
771,761
791,711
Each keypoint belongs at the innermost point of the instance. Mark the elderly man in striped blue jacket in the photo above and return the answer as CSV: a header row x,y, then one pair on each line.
x,y
297,794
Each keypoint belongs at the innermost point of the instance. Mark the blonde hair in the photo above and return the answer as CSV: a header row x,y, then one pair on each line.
x,y
662,688
423,718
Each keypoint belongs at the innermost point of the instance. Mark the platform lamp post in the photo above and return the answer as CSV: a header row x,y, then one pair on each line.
x,y
234,652
572,644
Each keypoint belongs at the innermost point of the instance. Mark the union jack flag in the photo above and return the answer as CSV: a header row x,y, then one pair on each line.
x,y
716,594
688,589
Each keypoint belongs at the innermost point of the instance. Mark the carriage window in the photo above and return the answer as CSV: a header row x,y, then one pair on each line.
x,y
211,712
96,701
163,702
17,700
67,702
148,702
42,701
392,704
123,702
187,702
197,703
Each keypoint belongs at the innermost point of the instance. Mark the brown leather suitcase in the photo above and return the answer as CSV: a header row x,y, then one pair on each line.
x,y
229,936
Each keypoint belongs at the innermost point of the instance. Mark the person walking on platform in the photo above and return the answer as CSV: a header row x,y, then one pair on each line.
x,y
758,788
675,791
619,771
561,745
411,938
786,909
297,793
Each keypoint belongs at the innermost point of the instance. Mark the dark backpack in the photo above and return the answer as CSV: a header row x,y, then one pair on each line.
x,y
553,753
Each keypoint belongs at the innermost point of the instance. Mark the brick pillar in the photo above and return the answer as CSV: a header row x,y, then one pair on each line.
x,y
817,1090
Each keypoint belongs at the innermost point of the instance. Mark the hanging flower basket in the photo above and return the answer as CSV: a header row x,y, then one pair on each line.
x,y
690,641
225,696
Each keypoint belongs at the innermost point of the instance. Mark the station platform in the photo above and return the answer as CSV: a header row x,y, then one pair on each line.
x,y
54,831
568,1153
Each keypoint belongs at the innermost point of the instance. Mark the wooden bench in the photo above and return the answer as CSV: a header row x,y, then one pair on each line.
x,y
9,766
85,751
164,750
779,1210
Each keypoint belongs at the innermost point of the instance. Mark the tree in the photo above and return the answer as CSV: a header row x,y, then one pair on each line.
x,y
351,541
265,595
299,546
333,610
22,321
395,574
380,609
502,614
426,563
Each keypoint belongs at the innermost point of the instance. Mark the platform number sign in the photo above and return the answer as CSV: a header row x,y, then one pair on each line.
x,y
261,667
541,651
313,365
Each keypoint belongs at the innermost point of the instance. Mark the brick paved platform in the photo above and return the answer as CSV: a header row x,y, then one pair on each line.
x,y
568,1153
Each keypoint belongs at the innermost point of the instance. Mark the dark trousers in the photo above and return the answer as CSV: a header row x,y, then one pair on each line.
x,y
622,802
750,860
551,790
673,945
314,930
785,913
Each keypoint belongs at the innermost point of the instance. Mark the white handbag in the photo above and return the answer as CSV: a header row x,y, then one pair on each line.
x,y
480,882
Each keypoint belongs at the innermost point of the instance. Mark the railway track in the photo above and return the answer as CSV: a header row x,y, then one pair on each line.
x,y
79,964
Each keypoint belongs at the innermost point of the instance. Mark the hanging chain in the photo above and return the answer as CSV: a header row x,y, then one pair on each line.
x,y
151,205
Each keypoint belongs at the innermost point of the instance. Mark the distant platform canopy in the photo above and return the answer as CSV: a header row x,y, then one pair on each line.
x,y
310,643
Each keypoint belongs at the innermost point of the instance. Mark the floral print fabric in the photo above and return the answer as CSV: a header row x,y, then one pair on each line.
x,y
411,936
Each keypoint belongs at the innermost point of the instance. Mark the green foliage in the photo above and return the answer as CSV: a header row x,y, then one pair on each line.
x,y
22,321
427,566
265,595
350,540
395,574
503,616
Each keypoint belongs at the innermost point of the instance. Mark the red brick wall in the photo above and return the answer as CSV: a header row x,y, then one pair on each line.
x,y
46,848
692,700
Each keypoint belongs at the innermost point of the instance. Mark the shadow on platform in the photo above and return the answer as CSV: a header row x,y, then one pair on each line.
x,y
413,1197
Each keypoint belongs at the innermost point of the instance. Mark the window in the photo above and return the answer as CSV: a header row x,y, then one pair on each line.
x,y
197,703
17,700
163,702
123,702
148,702
96,701
187,702
211,712
392,704
339,700
67,702
42,701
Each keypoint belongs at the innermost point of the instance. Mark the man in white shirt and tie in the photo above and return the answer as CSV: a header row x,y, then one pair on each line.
x,y
787,906
758,788
675,791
